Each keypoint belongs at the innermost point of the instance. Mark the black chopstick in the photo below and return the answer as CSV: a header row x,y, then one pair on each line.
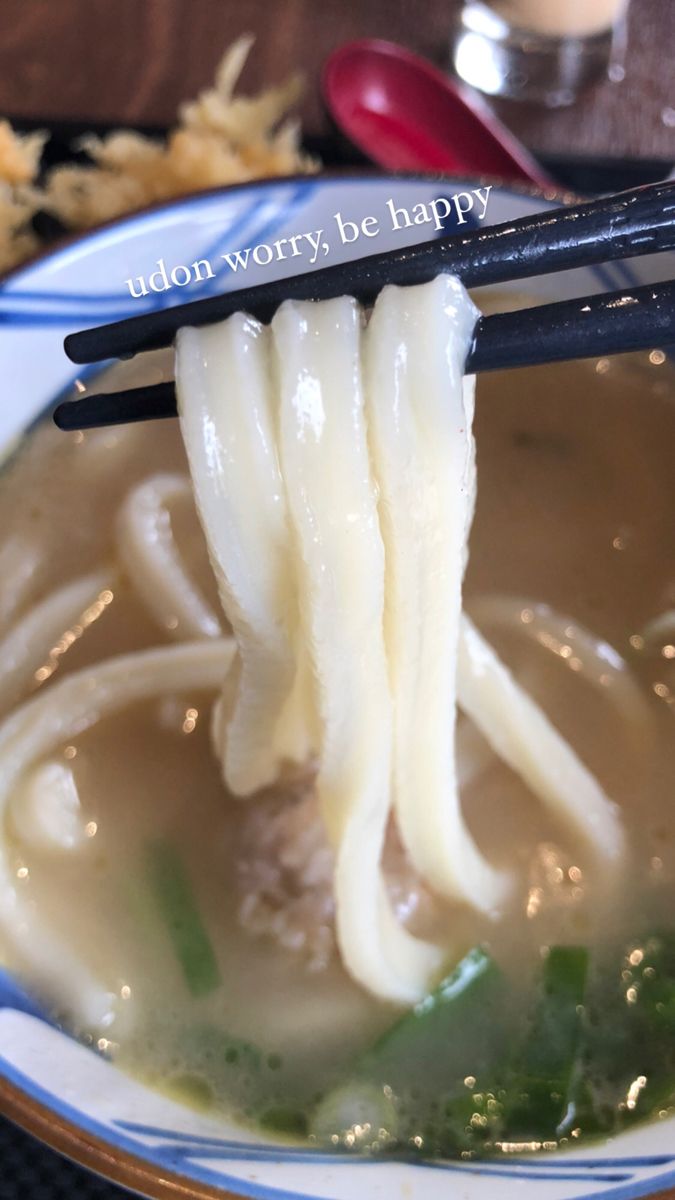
x,y
640,318
639,221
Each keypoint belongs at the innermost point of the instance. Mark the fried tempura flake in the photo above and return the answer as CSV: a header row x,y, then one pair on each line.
x,y
219,139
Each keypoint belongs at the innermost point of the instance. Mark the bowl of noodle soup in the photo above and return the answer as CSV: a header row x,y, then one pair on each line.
x,y
249,946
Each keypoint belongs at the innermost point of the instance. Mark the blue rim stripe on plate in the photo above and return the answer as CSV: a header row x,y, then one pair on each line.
x,y
156,1131
174,1157
155,215
15,315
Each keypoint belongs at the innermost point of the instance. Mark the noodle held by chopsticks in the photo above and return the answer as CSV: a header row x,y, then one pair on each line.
x,y
334,467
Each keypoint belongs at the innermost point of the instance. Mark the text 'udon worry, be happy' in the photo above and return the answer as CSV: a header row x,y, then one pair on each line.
x,y
316,244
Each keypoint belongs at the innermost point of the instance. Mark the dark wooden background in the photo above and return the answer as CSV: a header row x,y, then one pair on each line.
x,y
132,61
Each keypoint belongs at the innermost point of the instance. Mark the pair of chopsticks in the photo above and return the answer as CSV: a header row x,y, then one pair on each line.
x,y
639,221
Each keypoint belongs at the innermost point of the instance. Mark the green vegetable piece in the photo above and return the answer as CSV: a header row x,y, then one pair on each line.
x,y
585,1109
547,1072
440,1041
647,1019
469,1121
176,904
653,983
447,1036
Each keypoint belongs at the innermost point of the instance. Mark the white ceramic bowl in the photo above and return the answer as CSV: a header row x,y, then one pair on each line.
x,y
63,1092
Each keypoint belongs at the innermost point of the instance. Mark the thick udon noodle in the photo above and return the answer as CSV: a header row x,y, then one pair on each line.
x,y
333,466
334,469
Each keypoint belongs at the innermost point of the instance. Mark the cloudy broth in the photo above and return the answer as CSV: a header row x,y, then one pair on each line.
x,y
575,512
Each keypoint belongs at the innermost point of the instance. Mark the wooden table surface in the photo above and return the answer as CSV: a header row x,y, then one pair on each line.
x,y
132,61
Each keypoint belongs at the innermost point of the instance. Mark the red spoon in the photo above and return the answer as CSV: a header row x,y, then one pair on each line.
x,y
406,115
